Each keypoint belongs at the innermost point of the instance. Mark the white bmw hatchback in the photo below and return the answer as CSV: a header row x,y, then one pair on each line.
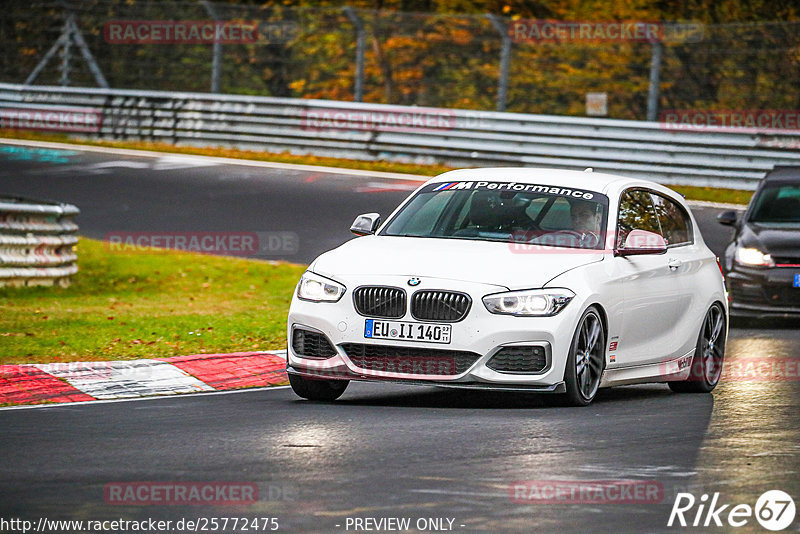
x,y
520,279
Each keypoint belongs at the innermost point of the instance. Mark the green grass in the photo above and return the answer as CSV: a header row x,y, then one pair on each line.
x,y
148,303
729,196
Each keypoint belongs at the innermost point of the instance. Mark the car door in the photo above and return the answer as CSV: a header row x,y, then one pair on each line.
x,y
651,303
685,261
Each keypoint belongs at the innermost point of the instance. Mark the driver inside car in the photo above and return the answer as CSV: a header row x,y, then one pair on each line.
x,y
585,218
586,221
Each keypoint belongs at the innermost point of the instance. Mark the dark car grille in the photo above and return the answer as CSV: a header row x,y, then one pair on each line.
x,y
765,295
518,360
311,344
378,301
783,296
434,305
786,260
409,360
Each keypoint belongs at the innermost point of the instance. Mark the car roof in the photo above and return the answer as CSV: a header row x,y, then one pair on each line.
x,y
784,173
609,184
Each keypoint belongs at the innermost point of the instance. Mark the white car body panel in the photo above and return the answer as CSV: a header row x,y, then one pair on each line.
x,y
436,258
653,305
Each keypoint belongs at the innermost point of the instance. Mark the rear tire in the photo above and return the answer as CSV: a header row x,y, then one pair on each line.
x,y
709,355
317,390
586,360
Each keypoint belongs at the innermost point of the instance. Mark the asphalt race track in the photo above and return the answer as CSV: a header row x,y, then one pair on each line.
x,y
380,451
186,194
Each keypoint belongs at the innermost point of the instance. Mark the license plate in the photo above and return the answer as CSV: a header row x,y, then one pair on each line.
x,y
797,280
430,333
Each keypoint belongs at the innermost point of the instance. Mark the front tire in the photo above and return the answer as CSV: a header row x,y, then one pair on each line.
x,y
317,390
586,360
709,354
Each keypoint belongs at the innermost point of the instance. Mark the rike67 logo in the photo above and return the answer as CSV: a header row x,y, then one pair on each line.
x,y
774,510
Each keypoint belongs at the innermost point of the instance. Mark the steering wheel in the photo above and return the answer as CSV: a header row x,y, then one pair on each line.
x,y
581,239
573,233
590,239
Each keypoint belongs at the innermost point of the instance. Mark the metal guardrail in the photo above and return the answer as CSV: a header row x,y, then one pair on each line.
x,y
36,240
725,157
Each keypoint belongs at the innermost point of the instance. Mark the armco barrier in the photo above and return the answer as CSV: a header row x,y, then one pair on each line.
x,y
36,242
723,157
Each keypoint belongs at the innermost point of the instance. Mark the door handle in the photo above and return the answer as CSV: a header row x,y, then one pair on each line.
x,y
674,264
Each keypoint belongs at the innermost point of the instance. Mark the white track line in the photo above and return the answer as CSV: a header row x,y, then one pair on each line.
x,y
719,205
155,397
218,160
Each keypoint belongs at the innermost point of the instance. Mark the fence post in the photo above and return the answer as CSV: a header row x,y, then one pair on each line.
x,y
77,36
216,53
66,54
505,60
70,35
361,42
655,80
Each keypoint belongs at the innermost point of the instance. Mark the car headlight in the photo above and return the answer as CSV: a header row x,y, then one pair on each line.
x,y
317,288
752,257
529,302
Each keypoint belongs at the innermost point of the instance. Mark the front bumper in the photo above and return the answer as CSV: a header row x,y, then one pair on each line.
x,y
481,333
558,387
766,292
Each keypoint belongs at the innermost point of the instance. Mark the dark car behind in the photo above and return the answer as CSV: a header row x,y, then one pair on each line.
x,y
762,262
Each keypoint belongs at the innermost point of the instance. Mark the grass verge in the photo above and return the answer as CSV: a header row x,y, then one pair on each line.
x,y
153,303
728,196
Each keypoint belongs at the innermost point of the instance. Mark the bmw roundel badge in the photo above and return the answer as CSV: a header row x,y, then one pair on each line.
x,y
414,281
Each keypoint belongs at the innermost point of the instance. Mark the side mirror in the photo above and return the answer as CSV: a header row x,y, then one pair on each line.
x,y
728,218
366,224
640,242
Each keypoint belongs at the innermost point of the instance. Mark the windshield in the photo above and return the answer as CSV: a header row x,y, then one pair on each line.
x,y
504,211
777,203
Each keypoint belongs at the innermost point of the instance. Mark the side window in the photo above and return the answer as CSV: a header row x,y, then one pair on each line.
x,y
675,222
636,212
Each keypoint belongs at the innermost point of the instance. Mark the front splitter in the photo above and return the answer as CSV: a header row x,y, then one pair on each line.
x,y
559,387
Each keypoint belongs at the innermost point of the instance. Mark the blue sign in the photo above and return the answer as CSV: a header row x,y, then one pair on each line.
x,y
369,322
797,280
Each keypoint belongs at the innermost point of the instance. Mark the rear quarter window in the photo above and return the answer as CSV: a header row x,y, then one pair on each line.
x,y
675,222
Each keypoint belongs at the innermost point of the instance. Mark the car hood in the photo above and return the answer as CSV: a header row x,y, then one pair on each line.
x,y
484,262
780,241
